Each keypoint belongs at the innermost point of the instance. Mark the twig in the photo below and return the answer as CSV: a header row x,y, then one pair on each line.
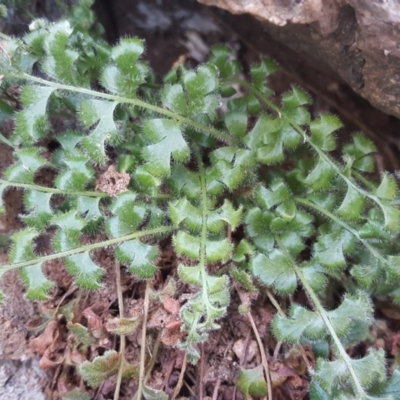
x,y
190,389
277,350
153,357
180,381
260,346
275,303
139,392
122,337
216,388
201,371
263,356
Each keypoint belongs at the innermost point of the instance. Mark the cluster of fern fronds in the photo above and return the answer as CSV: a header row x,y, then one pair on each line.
x,y
195,168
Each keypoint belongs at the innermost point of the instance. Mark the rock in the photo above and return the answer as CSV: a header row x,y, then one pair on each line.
x,y
21,380
239,349
357,39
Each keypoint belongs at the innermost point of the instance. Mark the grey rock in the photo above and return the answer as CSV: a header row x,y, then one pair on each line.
x,y
358,39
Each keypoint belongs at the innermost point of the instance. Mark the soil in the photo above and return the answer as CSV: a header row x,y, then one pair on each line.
x,y
37,349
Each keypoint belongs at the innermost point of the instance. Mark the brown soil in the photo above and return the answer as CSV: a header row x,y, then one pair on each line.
x,y
37,350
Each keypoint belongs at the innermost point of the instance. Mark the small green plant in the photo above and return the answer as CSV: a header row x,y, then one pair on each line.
x,y
194,159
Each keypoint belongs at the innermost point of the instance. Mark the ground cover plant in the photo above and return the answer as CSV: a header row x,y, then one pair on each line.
x,y
254,195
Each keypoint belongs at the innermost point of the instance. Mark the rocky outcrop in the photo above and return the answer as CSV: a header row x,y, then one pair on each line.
x,y
358,39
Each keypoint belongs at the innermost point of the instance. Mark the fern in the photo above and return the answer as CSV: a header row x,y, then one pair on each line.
x,y
196,174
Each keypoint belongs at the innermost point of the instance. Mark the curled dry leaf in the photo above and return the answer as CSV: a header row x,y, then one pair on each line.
x,y
94,322
172,333
172,306
46,363
280,373
47,338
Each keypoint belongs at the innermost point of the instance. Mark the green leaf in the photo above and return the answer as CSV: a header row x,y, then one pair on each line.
x,y
244,279
184,181
77,174
287,210
290,137
370,369
98,112
122,326
59,62
220,57
387,190
393,265
321,176
225,214
147,181
127,53
305,324
273,152
236,123
190,274
330,249
221,175
31,123
243,249
128,214
81,333
322,129
251,382
352,205
37,283
198,85
261,71
153,394
393,386
38,203
22,248
256,137
302,323
127,74
258,229
173,98
187,245
101,368
315,276
218,250
28,163
276,270
247,103
182,211
86,272
391,216
373,228
354,308
71,226
3,11
299,116
89,207
168,139
361,152
68,141
278,194
140,257
216,284
295,98
75,394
